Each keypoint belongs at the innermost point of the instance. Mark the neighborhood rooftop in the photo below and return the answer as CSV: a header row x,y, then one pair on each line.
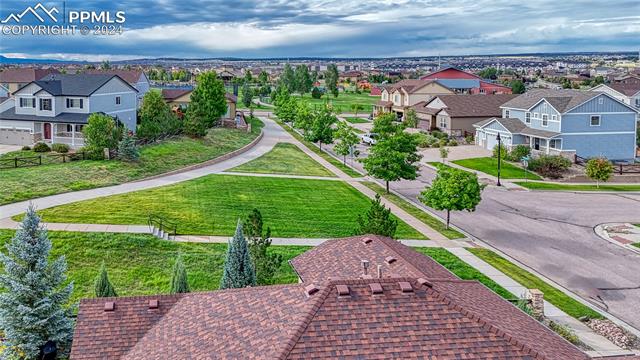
x,y
73,84
470,105
562,100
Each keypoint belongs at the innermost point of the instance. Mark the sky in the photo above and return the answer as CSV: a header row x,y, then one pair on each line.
x,y
341,29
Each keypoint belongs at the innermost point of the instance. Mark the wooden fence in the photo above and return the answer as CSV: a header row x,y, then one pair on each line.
x,y
619,168
37,160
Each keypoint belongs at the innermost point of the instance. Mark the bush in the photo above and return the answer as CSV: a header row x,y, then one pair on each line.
x,y
518,152
101,132
60,148
426,140
156,118
503,151
469,139
550,166
316,93
452,142
439,134
26,148
128,149
41,147
442,142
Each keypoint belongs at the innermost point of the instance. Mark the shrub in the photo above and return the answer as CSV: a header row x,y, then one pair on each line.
x,y
551,166
518,152
439,134
316,93
26,148
469,139
101,132
426,140
452,142
503,151
599,169
41,147
442,142
156,118
60,148
128,149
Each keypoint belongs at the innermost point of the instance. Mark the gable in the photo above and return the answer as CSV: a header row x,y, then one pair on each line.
x,y
608,105
494,125
544,107
115,85
29,89
432,88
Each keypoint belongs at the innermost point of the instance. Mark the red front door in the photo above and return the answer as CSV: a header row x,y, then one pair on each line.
x,y
47,131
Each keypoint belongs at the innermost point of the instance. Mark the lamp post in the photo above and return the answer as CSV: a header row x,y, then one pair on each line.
x,y
499,154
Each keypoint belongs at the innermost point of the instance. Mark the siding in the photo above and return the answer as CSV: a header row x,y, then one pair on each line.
x,y
576,123
613,147
593,106
104,100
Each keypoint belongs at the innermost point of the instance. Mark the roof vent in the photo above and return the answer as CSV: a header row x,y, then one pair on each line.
x,y
405,287
109,306
379,271
343,290
390,260
376,288
367,240
425,282
153,304
311,289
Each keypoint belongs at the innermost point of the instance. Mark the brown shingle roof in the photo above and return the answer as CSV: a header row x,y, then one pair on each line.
x,y
130,76
25,75
170,94
408,85
474,105
342,259
561,100
626,89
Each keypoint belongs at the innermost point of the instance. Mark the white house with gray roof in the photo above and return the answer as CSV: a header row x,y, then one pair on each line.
x,y
565,122
56,108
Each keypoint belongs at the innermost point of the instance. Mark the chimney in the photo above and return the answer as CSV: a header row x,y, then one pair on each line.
x,y
537,303
311,289
379,271
365,267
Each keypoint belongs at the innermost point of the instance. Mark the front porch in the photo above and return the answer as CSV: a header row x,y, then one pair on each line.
x,y
52,133
548,146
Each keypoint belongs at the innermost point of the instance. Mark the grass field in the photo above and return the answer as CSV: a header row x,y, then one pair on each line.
x,y
32,182
570,187
489,166
211,205
284,158
463,270
347,170
558,298
141,264
356,120
342,103
429,220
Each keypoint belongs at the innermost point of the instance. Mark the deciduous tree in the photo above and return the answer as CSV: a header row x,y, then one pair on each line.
x,y
599,169
331,79
393,157
156,118
347,140
303,79
208,103
321,130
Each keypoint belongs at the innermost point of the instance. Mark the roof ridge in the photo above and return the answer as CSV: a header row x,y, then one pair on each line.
x,y
384,240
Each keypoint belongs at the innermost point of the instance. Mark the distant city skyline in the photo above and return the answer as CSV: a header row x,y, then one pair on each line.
x,y
336,29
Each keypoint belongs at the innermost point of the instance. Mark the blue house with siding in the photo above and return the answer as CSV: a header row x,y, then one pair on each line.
x,y
564,122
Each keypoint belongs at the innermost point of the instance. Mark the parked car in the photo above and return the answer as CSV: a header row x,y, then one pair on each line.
x,y
370,138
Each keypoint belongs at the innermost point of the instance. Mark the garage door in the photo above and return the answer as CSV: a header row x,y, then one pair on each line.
x,y
16,137
491,142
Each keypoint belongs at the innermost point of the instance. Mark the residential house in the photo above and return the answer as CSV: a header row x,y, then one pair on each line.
x,y
55,109
181,98
15,78
402,304
456,114
564,122
136,78
462,82
626,79
402,95
352,76
628,93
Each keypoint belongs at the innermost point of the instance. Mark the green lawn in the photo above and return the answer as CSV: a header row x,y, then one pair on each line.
x,y
429,220
342,103
284,158
346,169
463,270
570,187
356,120
211,205
141,264
32,182
489,165
556,297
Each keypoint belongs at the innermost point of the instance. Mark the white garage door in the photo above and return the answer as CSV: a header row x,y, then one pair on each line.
x,y
491,142
16,137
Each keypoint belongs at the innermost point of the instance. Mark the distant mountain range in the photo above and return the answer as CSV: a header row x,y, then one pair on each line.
x,y
8,60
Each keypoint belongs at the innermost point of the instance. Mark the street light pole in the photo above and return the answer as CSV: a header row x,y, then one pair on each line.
x,y
499,154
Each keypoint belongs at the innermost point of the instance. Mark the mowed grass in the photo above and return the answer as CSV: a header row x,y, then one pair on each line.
x,y
141,264
463,270
284,158
342,103
211,205
489,166
578,187
33,182
558,298
356,120
429,220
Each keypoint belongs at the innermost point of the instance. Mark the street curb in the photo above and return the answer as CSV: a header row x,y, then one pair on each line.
x,y
602,233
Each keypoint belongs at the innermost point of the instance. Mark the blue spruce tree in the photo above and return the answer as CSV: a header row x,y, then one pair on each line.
x,y
33,306
238,269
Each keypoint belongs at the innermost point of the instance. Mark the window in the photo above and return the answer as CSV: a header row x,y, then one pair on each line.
x,y
117,100
75,103
443,123
45,104
545,120
554,117
527,118
638,102
555,143
481,91
69,128
595,120
27,102
79,128
396,98
600,101
506,114
536,116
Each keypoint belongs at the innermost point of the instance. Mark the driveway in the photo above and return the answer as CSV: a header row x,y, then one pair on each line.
x,y
9,148
455,153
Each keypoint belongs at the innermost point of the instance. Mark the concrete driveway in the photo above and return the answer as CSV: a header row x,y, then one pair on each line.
x,y
9,148
455,153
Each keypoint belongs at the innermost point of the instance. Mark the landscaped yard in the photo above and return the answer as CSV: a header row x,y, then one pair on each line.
x,y
463,270
574,187
211,205
342,103
284,158
141,264
551,294
429,220
489,166
32,182
356,120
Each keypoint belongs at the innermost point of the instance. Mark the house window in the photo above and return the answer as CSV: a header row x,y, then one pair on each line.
x,y
27,102
527,118
600,101
75,103
396,98
638,102
536,116
69,128
45,104
545,120
117,100
554,117
443,123
481,91
507,114
79,128
555,143
595,120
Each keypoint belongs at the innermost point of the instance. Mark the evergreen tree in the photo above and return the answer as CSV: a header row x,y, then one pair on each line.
x,y
103,285
179,280
208,103
331,79
247,94
32,303
265,264
238,269
128,149
377,220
